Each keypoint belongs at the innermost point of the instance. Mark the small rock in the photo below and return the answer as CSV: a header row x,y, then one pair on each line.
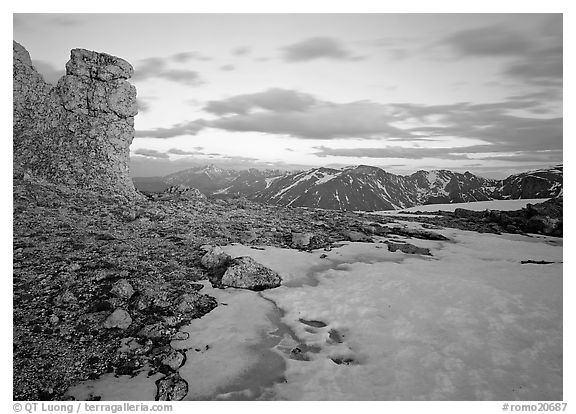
x,y
118,319
54,319
67,298
152,331
248,236
356,236
127,345
215,257
123,289
187,302
74,267
171,388
180,336
301,240
171,321
173,360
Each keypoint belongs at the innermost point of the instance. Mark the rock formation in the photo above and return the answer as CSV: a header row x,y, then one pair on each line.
x,y
77,133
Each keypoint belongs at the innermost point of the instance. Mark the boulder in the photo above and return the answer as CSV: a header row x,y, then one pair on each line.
x,y
118,319
245,273
408,248
123,289
356,236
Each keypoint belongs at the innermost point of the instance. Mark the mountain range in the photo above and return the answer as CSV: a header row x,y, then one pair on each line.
x,y
360,187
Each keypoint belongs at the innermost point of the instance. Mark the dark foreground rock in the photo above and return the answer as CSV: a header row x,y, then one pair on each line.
x,y
543,218
408,248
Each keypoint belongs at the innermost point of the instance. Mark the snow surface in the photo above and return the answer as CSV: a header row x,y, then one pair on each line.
x,y
270,180
117,388
503,205
227,343
468,323
326,177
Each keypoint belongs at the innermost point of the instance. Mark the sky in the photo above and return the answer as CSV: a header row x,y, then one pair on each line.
x,y
466,92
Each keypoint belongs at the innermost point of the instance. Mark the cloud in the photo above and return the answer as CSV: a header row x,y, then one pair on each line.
x,y
532,57
65,21
474,152
503,126
150,153
491,123
396,47
186,128
541,67
301,115
177,151
156,68
241,51
143,105
275,99
49,72
184,57
488,41
228,68
322,120
390,152
187,77
317,48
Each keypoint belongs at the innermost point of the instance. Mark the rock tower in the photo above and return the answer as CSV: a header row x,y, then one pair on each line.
x,y
79,132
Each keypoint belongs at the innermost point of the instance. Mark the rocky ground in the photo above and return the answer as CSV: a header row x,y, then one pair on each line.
x,y
102,284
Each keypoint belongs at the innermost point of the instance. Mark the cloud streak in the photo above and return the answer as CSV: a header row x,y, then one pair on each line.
x,y
186,128
151,153
488,41
184,57
274,99
317,48
474,152
531,58
156,68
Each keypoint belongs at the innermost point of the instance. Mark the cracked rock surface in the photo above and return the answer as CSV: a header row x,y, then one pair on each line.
x,y
78,132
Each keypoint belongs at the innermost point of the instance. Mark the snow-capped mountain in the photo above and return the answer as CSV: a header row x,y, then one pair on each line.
x,y
366,188
371,188
542,183
206,179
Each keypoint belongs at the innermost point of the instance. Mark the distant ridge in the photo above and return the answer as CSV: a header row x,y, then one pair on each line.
x,y
361,187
